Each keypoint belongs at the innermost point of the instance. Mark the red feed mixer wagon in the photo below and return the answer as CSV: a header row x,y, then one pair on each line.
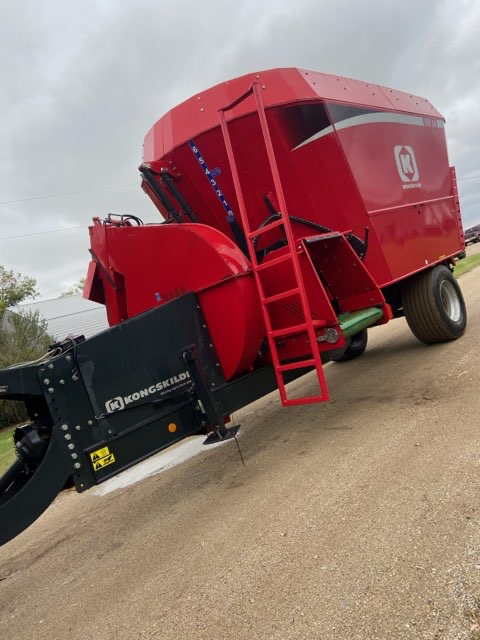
x,y
299,210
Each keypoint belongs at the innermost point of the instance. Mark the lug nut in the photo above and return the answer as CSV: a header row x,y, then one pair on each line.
x,y
67,436
64,427
77,465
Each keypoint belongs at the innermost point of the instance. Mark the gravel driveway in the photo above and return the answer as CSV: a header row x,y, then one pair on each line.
x,y
359,518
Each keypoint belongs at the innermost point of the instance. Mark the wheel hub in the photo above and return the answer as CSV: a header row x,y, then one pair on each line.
x,y
450,301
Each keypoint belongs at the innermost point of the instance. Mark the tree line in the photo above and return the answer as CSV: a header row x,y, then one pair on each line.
x,y
23,335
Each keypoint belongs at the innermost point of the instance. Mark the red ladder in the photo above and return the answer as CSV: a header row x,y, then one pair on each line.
x,y
298,291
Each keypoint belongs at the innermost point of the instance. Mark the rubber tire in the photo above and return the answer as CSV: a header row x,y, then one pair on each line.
x,y
356,348
424,310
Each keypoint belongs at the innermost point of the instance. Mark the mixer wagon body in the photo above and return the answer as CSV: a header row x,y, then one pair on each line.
x,y
300,209
350,155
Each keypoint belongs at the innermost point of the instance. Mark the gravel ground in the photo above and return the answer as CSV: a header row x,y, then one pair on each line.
x,y
356,519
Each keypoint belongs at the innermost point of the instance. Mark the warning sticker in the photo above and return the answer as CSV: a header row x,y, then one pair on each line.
x,y
101,458
99,453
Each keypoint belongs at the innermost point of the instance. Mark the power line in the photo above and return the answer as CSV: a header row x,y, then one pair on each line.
x,y
69,193
43,233
469,178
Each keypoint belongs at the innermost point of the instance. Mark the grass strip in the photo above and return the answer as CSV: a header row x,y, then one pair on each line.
x,y
466,265
7,454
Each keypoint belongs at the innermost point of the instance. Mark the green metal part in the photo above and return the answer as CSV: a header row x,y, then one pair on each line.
x,y
355,321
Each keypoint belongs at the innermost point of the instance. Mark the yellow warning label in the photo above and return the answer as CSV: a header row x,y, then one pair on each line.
x,y
99,453
103,462
101,458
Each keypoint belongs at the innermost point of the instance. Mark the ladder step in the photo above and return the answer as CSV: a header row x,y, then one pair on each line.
x,y
268,227
281,296
300,364
287,331
272,263
307,400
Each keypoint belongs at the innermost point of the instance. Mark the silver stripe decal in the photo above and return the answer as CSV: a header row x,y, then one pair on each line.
x,y
370,118
316,136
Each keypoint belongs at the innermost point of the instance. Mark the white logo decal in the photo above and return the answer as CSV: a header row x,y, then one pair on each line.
x,y
115,404
164,387
406,165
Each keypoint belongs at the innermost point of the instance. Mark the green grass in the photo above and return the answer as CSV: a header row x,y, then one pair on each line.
x,y
7,454
466,265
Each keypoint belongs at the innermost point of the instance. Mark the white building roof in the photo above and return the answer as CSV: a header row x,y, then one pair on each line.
x,y
70,315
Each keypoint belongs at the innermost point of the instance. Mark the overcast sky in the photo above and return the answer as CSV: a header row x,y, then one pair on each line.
x,y
82,82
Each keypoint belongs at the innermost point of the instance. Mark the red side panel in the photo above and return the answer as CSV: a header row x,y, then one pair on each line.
x,y
402,173
93,289
141,267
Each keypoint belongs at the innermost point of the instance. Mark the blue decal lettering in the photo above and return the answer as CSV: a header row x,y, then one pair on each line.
x,y
210,175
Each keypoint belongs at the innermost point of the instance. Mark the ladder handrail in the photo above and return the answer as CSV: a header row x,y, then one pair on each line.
x,y
250,234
